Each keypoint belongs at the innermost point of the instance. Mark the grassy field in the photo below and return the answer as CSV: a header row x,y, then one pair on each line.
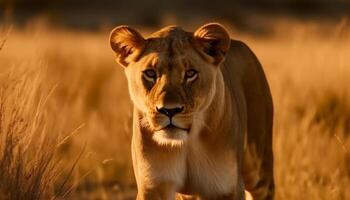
x,y
65,113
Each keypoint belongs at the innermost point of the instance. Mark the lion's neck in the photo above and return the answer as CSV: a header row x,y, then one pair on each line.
x,y
213,121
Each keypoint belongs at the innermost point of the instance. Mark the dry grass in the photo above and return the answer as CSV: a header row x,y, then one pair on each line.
x,y
307,66
29,169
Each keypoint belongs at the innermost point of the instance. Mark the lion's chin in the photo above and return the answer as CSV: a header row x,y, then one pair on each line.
x,y
172,137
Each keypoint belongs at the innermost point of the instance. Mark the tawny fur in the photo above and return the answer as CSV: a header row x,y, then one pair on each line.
x,y
224,146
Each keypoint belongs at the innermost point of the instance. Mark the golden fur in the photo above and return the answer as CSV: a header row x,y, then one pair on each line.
x,y
219,142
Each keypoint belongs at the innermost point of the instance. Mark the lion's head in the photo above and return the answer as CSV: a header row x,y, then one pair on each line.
x,y
171,75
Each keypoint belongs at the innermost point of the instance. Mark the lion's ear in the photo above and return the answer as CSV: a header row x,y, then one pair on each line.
x,y
126,43
214,40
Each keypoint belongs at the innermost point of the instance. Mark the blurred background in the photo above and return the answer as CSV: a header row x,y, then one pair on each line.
x,y
248,15
65,113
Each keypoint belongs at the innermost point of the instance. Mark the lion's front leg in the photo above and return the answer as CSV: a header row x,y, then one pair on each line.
x,y
223,197
158,181
237,194
164,191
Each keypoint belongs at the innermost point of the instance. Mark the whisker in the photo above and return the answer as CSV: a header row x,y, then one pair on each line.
x,y
144,122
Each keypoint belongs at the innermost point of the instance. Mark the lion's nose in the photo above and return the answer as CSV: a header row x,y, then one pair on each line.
x,y
170,112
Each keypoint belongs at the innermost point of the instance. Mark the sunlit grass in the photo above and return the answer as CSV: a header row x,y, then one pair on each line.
x,y
307,66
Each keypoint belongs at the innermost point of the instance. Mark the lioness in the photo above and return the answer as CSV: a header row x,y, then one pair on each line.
x,y
203,114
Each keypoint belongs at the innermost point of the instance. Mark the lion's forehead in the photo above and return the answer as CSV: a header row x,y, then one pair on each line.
x,y
172,40
167,61
171,47
173,32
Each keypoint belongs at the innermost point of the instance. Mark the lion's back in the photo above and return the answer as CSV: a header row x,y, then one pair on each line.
x,y
245,77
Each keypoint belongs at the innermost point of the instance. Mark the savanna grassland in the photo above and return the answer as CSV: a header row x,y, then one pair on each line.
x,y
65,113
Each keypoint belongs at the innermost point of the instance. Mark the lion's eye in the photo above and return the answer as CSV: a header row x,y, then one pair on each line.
x,y
150,75
191,75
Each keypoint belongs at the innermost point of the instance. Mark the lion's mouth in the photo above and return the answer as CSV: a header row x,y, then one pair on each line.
x,y
171,135
173,127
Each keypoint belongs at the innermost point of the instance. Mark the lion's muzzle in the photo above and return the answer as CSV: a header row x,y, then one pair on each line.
x,y
170,112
